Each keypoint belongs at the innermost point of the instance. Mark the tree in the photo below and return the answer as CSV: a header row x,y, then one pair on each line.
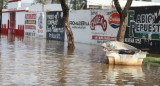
x,y
1,7
46,1
123,18
69,33
78,4
65,10
54,1
5,2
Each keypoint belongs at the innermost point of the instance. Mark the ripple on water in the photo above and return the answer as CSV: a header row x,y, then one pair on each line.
x,y
37,62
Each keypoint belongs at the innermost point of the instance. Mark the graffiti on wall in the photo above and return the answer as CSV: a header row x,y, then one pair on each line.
x,y
30,24
104,26
40,21
55,27
143,25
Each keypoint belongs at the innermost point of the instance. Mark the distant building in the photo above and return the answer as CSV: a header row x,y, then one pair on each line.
x,y
104,4
155,0
25,19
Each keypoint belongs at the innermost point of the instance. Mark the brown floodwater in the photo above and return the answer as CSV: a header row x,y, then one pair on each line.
x,y
41,62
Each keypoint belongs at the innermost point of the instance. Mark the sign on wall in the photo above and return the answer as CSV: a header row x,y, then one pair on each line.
x,y
144,26
80,25
54,26
104,25
30,24
94,26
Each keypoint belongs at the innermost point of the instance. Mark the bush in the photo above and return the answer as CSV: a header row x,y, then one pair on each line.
x,y
152,60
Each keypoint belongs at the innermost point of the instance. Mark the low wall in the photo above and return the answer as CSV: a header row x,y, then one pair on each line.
x,y
26,24
91,26
88,26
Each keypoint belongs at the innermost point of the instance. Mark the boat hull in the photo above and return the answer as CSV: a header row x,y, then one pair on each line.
x,y
125,59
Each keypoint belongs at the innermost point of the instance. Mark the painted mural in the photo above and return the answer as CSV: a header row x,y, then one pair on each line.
x,y
143,28
54,26
39,26
94,26
104,25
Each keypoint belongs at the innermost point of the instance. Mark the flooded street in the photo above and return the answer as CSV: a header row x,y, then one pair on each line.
x,y
41,62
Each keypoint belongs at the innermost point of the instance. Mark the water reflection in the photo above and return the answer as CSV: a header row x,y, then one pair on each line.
x,y
125,75
37,62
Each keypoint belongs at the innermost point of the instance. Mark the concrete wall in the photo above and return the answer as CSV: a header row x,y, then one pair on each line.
x,y
94,26
88,26
20,17
5,18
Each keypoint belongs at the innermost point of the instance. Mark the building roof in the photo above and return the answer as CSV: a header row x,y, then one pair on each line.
x,y
122,3
48,7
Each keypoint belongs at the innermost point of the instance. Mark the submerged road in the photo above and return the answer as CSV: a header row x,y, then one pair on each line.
x,y
41,62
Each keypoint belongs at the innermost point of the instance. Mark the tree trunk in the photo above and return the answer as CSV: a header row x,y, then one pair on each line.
x,y
122,29
1,7
69,33
43,2
123,18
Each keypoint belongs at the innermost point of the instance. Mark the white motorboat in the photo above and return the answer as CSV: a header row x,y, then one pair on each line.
x,y
120,53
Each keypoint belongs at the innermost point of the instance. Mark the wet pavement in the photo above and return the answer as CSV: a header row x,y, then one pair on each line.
x,y
41,62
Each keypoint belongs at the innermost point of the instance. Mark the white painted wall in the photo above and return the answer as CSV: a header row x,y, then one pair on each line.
x,y
84,33
48,7
20,19
14,5
155,0
81,32
5,18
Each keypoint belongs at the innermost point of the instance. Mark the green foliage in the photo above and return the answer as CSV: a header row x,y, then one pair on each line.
x,y
38,1
152,60
55,1
52,1
76,4
5,4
